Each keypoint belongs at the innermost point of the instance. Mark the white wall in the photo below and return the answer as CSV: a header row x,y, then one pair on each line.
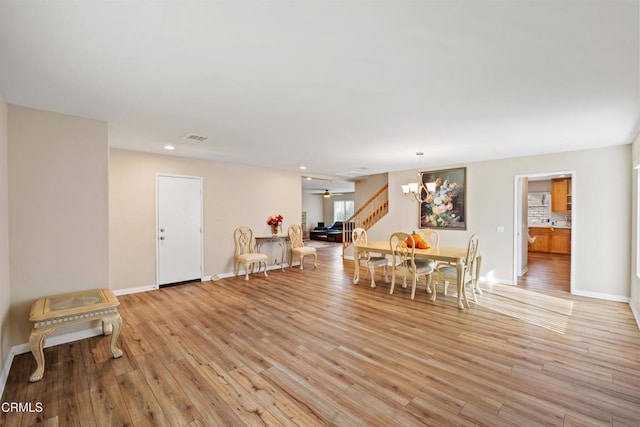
x,y
58,207
5,284
634,282
312,204
602,225
366,188
234,195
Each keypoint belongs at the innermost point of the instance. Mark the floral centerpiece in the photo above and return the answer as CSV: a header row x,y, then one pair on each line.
x,y
275,222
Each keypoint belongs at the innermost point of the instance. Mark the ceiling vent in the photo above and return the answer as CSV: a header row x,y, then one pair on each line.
x,y
192,137
352,174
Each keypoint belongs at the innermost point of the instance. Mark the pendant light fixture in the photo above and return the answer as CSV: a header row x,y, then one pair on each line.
x,y
419,191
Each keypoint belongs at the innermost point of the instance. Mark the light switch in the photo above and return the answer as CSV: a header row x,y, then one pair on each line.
x,y
500,229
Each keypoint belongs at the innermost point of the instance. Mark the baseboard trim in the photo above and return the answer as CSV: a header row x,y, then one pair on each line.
x,y
135,290
635,313
61,339
608,297
4,375
484,279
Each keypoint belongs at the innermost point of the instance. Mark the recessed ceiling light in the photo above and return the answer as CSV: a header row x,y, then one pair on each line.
x,y
169,147
302,168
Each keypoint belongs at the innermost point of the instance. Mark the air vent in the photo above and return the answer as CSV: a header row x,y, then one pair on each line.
x,y
192,137
352,174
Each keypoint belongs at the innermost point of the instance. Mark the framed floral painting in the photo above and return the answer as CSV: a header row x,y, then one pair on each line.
x,y
445,206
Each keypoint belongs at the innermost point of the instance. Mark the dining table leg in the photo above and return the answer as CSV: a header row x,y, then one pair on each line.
x,y
462,296
356,267
372,271
476,279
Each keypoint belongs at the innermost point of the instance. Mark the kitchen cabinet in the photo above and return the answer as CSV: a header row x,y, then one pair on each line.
x,y
560,241
541,242
561,195
551,241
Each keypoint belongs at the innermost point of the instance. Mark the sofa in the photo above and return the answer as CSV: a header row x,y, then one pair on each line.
x,y
332,233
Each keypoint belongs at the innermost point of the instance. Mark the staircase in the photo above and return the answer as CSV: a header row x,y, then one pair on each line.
x,y
371,212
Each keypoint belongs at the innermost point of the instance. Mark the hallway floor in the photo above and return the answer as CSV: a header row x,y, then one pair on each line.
x,y
547,272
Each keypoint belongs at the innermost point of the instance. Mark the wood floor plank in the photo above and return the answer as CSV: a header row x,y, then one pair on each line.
x,y
176,405
212,408
310,348
142,405
273,399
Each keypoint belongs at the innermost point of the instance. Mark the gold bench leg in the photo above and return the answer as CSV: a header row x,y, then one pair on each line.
x,y
115,324
36,342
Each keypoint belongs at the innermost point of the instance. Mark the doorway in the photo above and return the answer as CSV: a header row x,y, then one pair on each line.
x,y
535,267
179,229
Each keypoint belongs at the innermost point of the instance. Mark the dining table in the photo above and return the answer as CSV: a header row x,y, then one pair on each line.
x,y
450,254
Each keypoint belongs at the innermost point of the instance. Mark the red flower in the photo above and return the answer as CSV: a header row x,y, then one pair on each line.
x,y
275,220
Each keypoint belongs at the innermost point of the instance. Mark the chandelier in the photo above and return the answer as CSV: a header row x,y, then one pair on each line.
x,y
419,191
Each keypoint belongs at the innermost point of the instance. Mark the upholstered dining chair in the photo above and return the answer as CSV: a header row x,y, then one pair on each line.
x,y
245,252
433,239
359,237
404,262
298,249
448,272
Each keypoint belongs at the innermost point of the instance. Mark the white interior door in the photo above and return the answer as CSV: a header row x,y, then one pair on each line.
x,y
179,229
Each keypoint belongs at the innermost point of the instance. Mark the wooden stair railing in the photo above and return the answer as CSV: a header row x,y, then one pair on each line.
x,y
371,212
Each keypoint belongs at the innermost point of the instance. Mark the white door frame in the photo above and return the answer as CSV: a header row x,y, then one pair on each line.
x,y
201,179
517,221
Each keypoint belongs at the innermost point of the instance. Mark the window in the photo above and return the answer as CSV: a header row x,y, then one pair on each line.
x,y
342,209
539,207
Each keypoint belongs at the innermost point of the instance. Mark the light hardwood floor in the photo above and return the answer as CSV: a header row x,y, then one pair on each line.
x,y
547,272
310,348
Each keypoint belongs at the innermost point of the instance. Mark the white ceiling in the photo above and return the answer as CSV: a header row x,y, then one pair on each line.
x,y
341,87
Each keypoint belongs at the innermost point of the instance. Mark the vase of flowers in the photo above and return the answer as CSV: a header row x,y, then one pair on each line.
x,y
275,222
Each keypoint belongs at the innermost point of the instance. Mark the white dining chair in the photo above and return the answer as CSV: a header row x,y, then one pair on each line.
x,y
298,249
371,262
448,272
245,252
404,263
433,239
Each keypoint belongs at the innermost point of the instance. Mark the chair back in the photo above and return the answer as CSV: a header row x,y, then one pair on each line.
x,y
295,236
243,237
431,237
472,253
403,256
359,237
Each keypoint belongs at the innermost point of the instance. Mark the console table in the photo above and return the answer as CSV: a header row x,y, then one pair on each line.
x,y
50,312
283,241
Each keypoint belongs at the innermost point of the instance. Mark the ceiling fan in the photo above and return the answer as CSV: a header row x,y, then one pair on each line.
x,y
327,193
